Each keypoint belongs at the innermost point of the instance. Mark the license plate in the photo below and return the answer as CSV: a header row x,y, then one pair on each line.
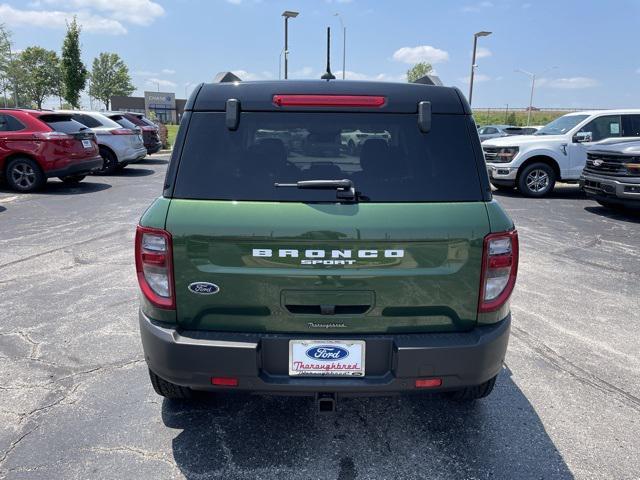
x,y
86,143
326,358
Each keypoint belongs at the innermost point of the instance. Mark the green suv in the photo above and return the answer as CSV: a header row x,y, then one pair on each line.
x,y
280,261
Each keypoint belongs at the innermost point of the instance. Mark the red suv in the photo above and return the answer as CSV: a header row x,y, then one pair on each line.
x,y
39,144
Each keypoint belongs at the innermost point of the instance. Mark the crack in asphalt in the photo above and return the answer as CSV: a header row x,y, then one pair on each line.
x,y
580,374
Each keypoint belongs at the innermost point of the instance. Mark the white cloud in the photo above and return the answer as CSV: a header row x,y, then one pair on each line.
x,y
482,52
476,7
138,12
478,77
421,53
568,83
161,82
58,19
144,73
168,71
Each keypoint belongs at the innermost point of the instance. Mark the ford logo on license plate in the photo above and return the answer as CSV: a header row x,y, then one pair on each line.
x,y
327,353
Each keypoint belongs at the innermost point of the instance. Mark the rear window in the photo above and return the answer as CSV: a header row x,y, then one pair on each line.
x,y
385,155
123,122
63,123
87,120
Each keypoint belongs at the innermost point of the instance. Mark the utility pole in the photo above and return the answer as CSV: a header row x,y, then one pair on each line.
x,y
532,76
473,60
344,44
287,14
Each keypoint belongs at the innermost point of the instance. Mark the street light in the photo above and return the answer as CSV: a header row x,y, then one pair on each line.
x,y
287,14
473,60
344,43
532,76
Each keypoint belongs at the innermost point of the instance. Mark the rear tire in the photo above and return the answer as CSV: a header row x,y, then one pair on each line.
x,y
73,179
469,394
24,175
110,161
536,180
168,389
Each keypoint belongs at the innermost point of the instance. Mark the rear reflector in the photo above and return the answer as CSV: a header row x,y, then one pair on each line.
x,y
428,382
224,381
499,270
370,101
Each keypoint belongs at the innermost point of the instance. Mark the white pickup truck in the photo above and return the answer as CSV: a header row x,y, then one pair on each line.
x,y
557,152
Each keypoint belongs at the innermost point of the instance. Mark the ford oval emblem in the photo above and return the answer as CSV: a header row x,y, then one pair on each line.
x,y
327,353
204,288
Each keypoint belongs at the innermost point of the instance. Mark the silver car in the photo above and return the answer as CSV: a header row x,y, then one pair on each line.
x,y
119,146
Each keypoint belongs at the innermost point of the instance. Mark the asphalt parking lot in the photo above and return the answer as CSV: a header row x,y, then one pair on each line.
x,y
75,400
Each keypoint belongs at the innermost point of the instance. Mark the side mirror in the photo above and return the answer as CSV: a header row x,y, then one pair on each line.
x,y
582,137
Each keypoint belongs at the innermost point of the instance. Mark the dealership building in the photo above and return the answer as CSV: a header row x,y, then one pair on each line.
x,y
165,106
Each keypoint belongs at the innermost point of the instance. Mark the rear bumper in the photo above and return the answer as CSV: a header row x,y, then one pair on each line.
x,y
82,167
260,361
153,147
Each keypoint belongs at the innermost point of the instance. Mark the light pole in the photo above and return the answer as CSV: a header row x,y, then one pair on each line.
x,y
473,60
532,76
287,14
344,44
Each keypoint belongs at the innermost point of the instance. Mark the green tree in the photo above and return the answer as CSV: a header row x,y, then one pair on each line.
x,y
37,71
110,76
74,73
5,62
419,70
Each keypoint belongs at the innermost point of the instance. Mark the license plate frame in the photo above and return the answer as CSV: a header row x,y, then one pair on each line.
x,y
301,362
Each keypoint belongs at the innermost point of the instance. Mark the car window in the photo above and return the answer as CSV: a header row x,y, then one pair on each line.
x,y
123,121
561,125
86,120
631,125
490,131
606,126
63,123
385,155
9,123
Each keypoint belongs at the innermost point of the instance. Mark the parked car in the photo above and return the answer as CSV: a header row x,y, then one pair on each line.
x,y
40,144
261,273
493,131
119,146
150,135
557,152
612,173
352,140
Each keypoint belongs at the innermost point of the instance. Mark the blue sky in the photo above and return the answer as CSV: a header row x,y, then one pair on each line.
x,y
175,44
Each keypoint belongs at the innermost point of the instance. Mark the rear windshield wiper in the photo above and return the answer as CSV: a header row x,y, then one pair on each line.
x,y
344,188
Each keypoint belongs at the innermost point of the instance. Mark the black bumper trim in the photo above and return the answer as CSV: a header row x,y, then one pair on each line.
x,y
80,168
191,358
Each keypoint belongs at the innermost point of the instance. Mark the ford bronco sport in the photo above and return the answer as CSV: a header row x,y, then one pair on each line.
x,y
279,261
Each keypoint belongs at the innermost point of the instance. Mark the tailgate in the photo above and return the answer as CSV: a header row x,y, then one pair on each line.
x,y
339,268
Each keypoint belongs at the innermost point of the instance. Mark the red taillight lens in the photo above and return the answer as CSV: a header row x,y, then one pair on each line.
x,y
224,381
499,270
154,266
149,129
371,101
52,136
122,131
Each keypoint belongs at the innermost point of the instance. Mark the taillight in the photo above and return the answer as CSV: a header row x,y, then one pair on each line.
x,y
499,270
154,265
149,129
372,101
122,131
52,136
